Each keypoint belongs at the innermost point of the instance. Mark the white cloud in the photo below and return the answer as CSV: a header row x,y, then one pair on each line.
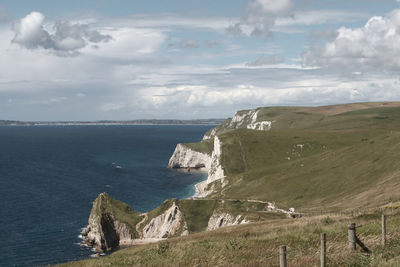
x,y
132,75
260,17
266,60
189,43
112,107
67,38
373,46
127,43
318,17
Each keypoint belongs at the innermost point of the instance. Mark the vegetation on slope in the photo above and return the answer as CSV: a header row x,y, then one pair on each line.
x,y
321,158
119,210
258,245
205,146
340,161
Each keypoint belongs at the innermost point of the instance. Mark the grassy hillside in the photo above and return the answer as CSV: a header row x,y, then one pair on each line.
x,y
316,161
205,146
118,209
258,245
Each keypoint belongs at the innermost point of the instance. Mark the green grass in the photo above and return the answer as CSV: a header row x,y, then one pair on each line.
x,y
338,167
119,210
156,212
197,213
317,160
205,146
258,245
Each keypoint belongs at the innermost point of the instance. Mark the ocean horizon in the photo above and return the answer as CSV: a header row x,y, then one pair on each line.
x,y
50,176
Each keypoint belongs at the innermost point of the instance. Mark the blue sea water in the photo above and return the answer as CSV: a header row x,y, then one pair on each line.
x,y
50,175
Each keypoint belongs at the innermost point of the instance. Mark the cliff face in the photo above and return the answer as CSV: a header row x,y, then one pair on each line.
x,y
104,231
219,220
166,224
216,171
112,222
248,119
184,157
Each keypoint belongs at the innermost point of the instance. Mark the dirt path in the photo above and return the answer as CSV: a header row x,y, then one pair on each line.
x,y
139,224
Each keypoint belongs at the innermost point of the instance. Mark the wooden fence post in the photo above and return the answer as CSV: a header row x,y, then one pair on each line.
x,y
323,250
352,236
282,256
383,230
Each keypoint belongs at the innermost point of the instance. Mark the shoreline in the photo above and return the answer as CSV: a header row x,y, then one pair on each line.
x,y
199,186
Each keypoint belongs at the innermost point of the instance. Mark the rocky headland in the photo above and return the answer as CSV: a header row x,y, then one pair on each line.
x,y
113,223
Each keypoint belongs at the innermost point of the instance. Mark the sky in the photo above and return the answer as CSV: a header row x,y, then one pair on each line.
x,y
191,59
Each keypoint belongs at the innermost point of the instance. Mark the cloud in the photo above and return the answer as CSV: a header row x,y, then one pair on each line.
x,y
373,47
129,45
319,17
266,60
212,43
189,43
327,34
66,38
260,17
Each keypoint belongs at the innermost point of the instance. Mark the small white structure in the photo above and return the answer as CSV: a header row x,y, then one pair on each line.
x,y
291,210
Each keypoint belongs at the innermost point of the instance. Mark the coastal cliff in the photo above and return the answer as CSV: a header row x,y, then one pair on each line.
x,y
247,119
185,157
113,223
167,224
106,225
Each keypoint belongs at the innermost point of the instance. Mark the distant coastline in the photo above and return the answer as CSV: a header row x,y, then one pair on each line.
x,y
110,122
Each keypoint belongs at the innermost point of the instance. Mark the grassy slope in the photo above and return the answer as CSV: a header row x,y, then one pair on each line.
x,y
205,146
258,245
119,210
348,159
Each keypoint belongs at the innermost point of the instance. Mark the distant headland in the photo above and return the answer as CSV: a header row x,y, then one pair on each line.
x,y
113,122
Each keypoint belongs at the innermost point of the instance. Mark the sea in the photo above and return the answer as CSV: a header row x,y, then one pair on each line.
x,y
50,176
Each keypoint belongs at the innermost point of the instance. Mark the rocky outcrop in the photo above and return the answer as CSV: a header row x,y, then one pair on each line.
x,y
123,232
260,126
104,232
165,225
218,220
184,157
248,119
216,172
210,134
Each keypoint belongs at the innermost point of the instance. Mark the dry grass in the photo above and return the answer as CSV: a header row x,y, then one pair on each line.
x,y
337,109
258,244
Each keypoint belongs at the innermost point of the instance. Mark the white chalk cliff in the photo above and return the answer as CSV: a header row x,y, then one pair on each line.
x,y
165,225
218,220
215,171
184,157
104,232
260,126
241,119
